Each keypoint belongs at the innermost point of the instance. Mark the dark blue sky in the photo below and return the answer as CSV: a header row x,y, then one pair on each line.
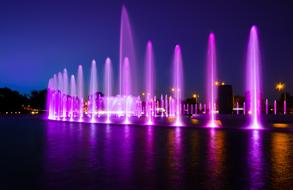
x,y
39,38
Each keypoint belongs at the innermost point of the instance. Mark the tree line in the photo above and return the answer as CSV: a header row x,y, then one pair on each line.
x,y
14,101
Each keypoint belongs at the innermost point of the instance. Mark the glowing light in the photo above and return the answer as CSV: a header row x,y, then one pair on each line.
x,y
178,83
280,125
211,76
194,95
253,79
280,86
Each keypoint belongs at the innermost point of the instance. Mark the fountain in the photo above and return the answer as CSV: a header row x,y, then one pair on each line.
x,y
66,100
149,81
65,93
275,107
211,79
93,91
267,106
108,86
253,78
285,107
178,83
126,89
80,91
73,97
126,49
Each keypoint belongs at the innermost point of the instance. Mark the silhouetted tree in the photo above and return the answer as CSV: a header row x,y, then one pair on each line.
x,y
11,101
38,99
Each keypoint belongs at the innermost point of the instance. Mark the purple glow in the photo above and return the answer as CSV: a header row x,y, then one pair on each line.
x,y
253,78
93,91
126,88
285,107
73,97
267,106
211,79
71,104
108,86
126,49
149,80
178,83
65,94
80,91
275,107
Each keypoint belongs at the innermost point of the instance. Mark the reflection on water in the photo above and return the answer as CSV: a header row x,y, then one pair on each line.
x,y
174,157
216,156
60,155
100,154
255,160
282,160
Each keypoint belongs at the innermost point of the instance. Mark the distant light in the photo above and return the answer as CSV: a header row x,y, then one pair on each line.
x,y
280,125
280,86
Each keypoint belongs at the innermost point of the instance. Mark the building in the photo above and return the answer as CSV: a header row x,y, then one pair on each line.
x,y
225,99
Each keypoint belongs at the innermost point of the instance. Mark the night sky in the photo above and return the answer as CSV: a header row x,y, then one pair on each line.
x,y
39,38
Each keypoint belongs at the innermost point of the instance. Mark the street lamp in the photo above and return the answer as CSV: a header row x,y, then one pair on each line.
x,y
280,86
195,96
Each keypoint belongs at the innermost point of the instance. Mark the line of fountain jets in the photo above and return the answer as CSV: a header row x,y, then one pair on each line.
x,y
71,105
126,107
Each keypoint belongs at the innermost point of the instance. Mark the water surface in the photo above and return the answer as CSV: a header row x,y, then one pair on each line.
x,y
40,154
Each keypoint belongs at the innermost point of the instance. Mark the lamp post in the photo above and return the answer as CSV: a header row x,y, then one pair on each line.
x,y
195,96
280,86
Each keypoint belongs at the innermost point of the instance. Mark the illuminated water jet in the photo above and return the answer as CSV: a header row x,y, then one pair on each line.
x,y
149,81
80,91
72,96
126,49
108,86
93,90
211,79
253,83
178,83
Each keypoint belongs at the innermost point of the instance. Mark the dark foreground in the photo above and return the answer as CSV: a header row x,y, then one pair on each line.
x,y
38,154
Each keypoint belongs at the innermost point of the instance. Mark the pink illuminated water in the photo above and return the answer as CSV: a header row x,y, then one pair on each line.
x,y
149,80
93,90
60,94
65,93
73,97
211,79
275,107
126,89
253,83
80,91
66,99
285,107
126,49
267,106
108,86
178,83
